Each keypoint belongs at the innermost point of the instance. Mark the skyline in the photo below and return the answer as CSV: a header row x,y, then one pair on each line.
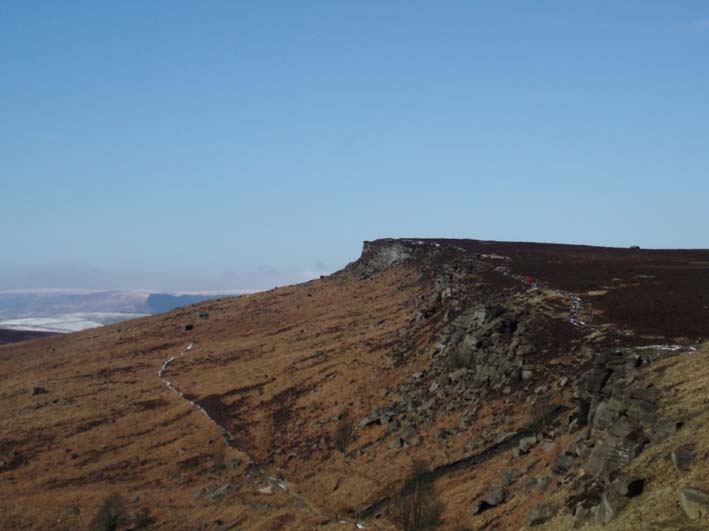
x,y
182,147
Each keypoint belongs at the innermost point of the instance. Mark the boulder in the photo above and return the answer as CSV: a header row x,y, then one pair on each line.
x,y
443,381
682,457
581,515
525,443
661,430
563,463
539,514
611,504
440,435
694,502
510,475
472,444
458,375
219,493
491,498
397,443
629,486
38,391
606,413
620,446
371,419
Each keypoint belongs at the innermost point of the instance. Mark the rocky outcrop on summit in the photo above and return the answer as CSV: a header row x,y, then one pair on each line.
x,y
382,254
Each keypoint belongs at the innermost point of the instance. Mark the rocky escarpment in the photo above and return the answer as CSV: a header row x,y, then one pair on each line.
x,y
619,412
383,254
522,341
492,342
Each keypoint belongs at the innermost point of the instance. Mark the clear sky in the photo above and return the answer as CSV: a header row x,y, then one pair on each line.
x,y
206,145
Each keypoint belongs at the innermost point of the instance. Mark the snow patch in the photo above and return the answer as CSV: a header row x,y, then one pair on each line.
x,y
73,322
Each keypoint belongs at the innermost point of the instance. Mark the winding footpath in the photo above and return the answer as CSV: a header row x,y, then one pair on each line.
x,y
576,307
273,481
228,437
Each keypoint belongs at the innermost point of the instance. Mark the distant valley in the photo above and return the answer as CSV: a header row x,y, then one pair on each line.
x,y
63,311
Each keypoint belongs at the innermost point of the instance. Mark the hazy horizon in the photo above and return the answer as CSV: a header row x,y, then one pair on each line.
x,y
94,279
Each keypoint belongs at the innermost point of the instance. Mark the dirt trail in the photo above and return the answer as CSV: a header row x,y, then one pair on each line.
x,y
274,481
576,307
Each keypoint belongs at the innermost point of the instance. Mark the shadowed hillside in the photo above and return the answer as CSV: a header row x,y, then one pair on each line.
x,y
13,336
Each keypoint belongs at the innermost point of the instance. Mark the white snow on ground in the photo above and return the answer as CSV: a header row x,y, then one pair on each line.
x,y
73,322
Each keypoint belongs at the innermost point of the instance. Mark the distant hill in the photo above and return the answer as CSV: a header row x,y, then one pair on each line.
x,y
12,336
61,311
50,303
164,302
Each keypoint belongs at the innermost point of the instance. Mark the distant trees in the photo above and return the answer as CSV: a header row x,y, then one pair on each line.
x,y
417,507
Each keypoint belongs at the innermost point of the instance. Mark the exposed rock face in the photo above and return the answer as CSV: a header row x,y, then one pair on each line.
x,y
491,345
539,514
629,486
611,503
383,254
622,413
486,340
491,498
219,492
683,457
694,502
526,443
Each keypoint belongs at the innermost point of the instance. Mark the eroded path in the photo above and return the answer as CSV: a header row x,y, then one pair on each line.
x,y
576,305
273,481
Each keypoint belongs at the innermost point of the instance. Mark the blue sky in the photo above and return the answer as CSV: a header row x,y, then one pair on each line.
x,y
207,145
